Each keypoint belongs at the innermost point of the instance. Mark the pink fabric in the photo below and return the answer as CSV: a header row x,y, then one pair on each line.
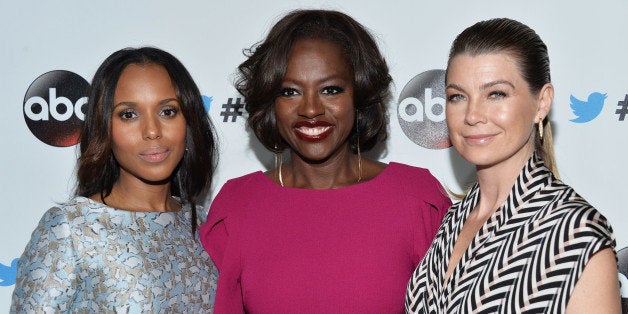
x,y
347,250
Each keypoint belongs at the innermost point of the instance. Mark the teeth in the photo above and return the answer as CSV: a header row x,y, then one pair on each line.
x,y
313,131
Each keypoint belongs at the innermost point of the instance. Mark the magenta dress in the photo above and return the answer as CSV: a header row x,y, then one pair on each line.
x,y
346,250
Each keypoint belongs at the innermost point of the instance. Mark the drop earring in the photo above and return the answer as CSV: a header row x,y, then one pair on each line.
x,y
278,163
357,131
540,130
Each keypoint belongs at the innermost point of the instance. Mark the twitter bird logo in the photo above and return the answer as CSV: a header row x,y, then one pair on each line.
x,y
207,101
587,110
8,273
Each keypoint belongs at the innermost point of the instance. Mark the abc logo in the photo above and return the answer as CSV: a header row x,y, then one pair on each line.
x,y
53,107
421,110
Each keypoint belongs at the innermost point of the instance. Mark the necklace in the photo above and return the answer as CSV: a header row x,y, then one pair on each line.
x,y
358,180
177,206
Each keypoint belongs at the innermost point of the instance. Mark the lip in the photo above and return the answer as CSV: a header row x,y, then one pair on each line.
x,y
313,131
154,154
479,139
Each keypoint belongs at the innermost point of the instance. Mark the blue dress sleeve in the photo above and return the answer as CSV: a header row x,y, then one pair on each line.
x,y
47,270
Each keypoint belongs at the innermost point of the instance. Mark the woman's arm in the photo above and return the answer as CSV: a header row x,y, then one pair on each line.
x,y
597,290
46,277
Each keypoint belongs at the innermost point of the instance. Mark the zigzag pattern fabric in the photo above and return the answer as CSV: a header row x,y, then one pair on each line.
x,y
526,258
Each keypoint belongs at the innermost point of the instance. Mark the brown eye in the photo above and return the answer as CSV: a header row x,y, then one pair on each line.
x,y
332,90
169,112
127,114
288,92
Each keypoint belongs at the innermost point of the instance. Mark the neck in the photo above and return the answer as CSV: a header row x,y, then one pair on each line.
x,y
496,182
132,194
337,171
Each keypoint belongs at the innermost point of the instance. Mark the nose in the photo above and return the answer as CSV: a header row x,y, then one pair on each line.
x,y
311,106
475,113
151,128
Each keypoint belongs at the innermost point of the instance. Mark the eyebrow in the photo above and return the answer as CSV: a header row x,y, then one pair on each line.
x,y
484,86
493,83
322,80
134,104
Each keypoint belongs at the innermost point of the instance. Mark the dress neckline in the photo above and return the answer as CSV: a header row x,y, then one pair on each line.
x,y
111,210
383,174
532,178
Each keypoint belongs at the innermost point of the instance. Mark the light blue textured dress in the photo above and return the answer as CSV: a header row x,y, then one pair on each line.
x,y
87,257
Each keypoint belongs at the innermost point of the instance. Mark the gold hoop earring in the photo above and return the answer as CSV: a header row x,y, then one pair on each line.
x,y
278,163
541,130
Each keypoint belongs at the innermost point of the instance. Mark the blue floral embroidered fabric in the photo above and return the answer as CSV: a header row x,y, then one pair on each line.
x,y
87,257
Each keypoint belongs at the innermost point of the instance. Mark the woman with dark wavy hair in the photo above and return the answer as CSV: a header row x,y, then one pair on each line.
x,y
521,240
327,231
127,241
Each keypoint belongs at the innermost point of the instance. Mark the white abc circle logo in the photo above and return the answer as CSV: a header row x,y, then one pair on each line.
x,y
68,108
421,110
53,107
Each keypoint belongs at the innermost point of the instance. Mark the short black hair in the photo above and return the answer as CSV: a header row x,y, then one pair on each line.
x,y
261,75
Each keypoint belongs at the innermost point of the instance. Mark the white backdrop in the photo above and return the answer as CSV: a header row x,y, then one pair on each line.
x,y
587,45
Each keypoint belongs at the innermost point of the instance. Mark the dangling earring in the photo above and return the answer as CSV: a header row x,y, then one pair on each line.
x,y
278,162
541,130
357,131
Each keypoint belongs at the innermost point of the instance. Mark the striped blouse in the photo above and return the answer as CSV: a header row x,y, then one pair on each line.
x,y
526,258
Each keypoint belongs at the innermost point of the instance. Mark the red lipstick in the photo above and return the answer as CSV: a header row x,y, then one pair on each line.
x,y
313,131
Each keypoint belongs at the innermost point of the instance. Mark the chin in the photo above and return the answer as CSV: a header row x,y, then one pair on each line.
x,y
480,160
317,156
156,180
157,177
314,159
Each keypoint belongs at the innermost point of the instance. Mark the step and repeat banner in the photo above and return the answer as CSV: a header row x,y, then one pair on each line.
x,y
50,50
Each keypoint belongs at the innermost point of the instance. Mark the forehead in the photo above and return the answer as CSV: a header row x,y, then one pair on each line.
x,y
485,66
135,76
317,49
143,70
143,81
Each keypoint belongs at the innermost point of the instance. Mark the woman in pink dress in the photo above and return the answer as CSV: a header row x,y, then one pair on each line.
x,y
327,231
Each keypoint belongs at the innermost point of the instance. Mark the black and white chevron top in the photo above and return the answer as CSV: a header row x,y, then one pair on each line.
x,y
525,259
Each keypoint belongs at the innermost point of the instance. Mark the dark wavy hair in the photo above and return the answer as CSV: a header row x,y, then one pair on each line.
x,y
530,52
261,75
98,169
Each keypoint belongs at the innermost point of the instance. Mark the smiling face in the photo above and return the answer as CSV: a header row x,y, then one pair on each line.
x,y
490,110
147,125
314,110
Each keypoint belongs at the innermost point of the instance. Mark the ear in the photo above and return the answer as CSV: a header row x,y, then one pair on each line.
x,y
545,99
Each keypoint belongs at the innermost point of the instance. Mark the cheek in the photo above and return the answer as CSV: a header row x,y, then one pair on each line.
x,y
503,117
453,117
122,136
510,117
283,118
349,116
343,111
120,146
182,131
282,124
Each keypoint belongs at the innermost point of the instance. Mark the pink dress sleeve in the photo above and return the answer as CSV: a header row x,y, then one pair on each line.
x,y
436,203
220,241
441,201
